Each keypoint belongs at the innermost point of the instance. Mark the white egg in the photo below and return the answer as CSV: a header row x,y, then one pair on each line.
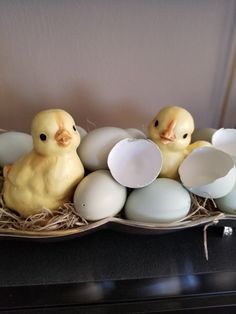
x,y
203,134
14,145
82,131
136,133
135,163
227,204
99,196
163,201
208,172
225,140
96,145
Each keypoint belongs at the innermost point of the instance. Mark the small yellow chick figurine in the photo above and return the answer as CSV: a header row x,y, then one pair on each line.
x,y
171,130
48,175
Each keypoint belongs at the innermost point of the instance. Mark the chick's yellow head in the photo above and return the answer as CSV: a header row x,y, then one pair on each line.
x,y
54,132
172,128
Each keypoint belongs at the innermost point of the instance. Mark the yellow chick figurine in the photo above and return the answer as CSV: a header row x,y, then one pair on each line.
x,y
171,130
48,175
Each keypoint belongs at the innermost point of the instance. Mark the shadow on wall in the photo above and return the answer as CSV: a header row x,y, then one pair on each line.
x,y
87,108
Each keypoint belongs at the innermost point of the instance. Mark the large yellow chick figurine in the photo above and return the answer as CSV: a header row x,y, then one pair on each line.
x,y
171,130
48,175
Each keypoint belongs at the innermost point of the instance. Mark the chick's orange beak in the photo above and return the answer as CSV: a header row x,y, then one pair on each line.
x,y
63,137
167,136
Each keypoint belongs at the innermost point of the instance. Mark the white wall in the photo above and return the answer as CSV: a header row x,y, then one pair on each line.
x,y
114,62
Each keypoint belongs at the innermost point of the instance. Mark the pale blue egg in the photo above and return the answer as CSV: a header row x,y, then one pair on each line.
x,y
97,144
163,201
82,131
13,145
136,133
99,196
227,204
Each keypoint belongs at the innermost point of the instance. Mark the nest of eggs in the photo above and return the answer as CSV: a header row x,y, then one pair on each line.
x,y
66,217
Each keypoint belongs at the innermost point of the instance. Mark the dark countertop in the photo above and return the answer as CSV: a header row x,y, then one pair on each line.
x,y
112,255
174,263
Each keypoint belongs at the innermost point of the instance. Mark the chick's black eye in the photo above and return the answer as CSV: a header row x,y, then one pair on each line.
x,y
156,123
74,128
185,135
43,137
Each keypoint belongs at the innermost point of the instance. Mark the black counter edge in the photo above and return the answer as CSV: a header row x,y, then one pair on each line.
x,y
193,291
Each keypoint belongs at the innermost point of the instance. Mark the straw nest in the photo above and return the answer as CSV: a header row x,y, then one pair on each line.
x,y
66,217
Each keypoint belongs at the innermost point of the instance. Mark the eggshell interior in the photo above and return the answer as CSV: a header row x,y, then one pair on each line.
x,y
135,163
225,140
208,172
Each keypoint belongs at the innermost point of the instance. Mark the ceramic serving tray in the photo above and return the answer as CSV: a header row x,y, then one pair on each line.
x,y
119,224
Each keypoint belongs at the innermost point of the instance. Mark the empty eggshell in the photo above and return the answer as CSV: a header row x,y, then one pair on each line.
x,y
227,204
135,163
136,133
99,196
96,145
163,201
208,172
14,145
82,131
225,140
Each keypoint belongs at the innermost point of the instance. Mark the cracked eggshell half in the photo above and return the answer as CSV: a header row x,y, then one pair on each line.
x,y
13,145
225,140
208,172
96,145
135,163
163,201
99,196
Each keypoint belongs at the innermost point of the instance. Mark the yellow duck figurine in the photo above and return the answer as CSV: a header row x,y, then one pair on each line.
x,y
48,175
171,130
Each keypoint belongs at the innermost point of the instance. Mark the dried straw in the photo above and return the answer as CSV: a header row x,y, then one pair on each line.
x,y
66,216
